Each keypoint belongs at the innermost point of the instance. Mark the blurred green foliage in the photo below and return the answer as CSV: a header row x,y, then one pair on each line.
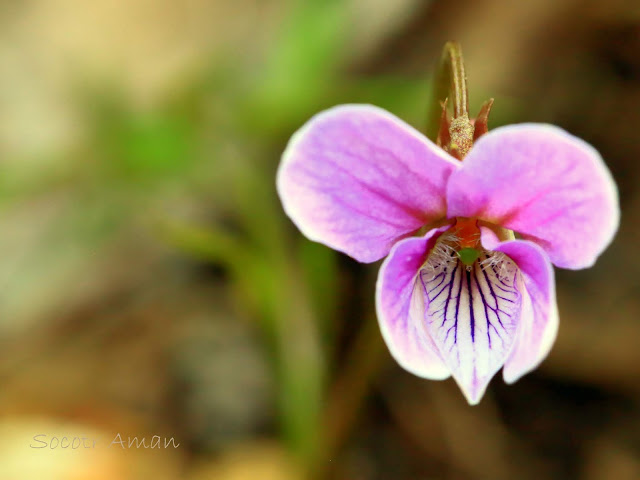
x,y
220,136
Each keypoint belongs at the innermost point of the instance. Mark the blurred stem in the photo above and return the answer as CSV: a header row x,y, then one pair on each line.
x,y
275,279
450,82
214,246
348,392
320,270
273,292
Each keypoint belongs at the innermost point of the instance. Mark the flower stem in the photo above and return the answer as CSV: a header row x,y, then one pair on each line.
x,y
450,82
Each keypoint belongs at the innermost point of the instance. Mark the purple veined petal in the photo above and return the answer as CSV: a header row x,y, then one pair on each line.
x,y
358,179
472,313
540,181
539,321
400,308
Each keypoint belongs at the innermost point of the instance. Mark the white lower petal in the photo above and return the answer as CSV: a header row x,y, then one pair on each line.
x,y
472,314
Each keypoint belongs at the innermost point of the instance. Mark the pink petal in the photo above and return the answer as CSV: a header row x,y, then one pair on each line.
x,y
358,179
540,181
400,308
539,321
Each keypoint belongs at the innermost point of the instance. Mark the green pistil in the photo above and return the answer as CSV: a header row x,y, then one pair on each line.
x,y
468,255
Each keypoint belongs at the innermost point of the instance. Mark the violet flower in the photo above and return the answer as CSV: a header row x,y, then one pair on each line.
x,y
466,298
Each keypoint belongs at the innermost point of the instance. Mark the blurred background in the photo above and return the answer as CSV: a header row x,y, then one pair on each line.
x,y
150,283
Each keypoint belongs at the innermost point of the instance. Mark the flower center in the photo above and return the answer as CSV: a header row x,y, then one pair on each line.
x,y
467,236
452,248
468,255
